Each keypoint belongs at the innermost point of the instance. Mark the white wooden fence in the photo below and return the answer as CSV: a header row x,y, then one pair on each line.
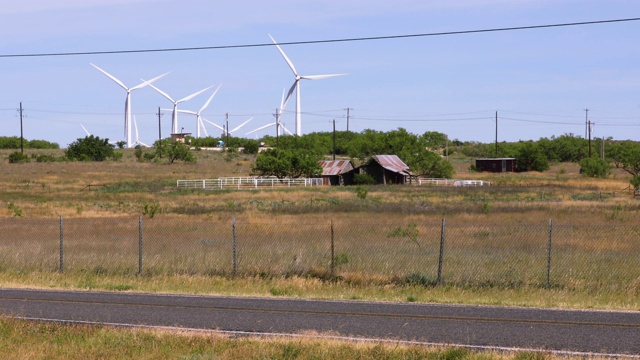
x,y
247,183
451,182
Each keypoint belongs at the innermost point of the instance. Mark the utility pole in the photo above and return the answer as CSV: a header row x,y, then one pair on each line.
x,y
159,131
227,127
21,134
277,126
589,124
496,134
586,120
348,117
334,139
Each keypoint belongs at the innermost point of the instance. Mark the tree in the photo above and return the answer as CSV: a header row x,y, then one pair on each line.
x,y
175,151
432,165
529,157
595,167
287,163
91,148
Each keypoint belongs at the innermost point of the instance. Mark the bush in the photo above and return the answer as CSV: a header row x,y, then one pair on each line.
x,y
91,148
595,167
18,158
364,179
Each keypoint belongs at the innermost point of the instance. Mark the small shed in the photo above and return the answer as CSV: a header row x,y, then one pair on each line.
x,y
387,169
337,172
496,165
179,137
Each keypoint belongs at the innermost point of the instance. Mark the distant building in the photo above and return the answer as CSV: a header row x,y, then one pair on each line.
x,y
337,172
179,137
496,165
387,169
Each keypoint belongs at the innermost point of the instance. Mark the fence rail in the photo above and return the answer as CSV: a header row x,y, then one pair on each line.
x,y
451,182
238,183
588,257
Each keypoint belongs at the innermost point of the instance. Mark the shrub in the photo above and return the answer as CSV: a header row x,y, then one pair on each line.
x,y
364,179
595,167
91,148
17,157
361,192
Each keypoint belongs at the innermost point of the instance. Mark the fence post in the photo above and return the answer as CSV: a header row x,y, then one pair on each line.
x,y
235,253
61,247
549,253
333,258
441,257
140,245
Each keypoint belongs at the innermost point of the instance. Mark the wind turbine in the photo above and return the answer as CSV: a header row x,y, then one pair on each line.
x,y
174,117
127,103
85,130
296,85
138,142
277,123
198,114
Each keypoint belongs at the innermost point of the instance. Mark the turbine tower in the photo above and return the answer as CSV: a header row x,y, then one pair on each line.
x,y
127,103
174,117
198,114
296,85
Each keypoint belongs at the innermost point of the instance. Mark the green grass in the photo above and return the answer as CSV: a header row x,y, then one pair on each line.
x,y
35,340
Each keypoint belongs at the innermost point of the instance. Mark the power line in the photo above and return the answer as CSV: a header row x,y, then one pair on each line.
x,y
370,38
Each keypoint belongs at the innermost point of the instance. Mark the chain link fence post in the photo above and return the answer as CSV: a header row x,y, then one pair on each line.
x,y
549,254
441,257
333,257
140,245
61,246
235,253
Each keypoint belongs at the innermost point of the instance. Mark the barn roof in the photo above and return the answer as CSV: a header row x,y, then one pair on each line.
x,y
335,167
392,163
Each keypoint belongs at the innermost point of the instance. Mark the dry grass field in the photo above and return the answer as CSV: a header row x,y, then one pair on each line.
x,y
496,236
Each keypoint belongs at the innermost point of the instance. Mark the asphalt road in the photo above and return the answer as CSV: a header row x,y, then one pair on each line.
x,y
601,332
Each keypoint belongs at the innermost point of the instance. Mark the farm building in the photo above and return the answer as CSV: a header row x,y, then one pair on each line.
x,y
387,169
337,172
496,165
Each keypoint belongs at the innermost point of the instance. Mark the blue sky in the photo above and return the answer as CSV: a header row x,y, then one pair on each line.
x,y
539,81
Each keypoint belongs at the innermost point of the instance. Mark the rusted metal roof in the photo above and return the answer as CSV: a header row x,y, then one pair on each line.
x,y
335,167
392,163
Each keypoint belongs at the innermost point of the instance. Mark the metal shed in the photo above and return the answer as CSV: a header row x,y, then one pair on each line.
x,y
496,165
387,169
337,172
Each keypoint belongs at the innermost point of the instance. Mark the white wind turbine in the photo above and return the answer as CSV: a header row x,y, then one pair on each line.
x,y
127,103
296,85
198,114
174,117
226,131
277,123
138,142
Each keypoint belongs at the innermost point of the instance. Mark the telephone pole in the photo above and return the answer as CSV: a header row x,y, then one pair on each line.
x,y
348,117
589,126
334,139
496,134
586,120
159,131
21,134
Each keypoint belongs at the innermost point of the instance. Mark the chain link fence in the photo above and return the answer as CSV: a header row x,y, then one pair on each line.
x,y
581,257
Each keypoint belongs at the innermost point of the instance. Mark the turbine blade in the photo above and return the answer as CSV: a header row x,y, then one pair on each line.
x,y
291,90
260,128
135,125
293,68
162,92
319,77
187,112
111,77
285,129
214,124
145,83
241,125
194,95
85,130
282,102
209,100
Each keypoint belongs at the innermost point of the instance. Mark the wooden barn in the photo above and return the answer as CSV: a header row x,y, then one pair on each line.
x,y
387,169
337,172
496,165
